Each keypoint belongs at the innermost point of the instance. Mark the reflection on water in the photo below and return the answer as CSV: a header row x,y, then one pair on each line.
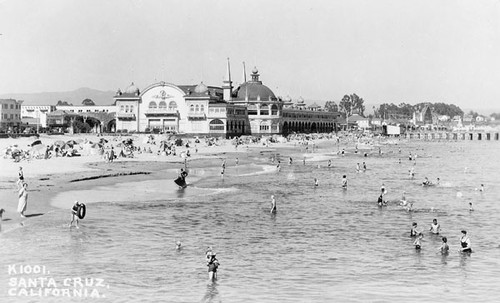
x,y
325,244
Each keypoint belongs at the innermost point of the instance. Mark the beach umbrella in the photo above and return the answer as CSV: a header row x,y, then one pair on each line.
x,y
102,141
96,145
71,142
79,140
36,142
59,143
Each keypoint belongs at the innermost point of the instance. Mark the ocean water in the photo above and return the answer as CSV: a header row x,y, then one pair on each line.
x,y
324,244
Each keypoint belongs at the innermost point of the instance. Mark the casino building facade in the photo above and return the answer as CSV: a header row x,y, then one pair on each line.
x,y
251,108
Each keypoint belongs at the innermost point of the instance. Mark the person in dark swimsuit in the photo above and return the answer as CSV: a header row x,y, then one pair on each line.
x,y
465,243
212,264
413,231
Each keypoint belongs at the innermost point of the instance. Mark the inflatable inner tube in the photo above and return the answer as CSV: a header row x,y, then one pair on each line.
x,y
180,182
82,210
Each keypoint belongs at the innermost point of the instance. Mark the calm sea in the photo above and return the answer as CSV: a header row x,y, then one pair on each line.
x,y
324,244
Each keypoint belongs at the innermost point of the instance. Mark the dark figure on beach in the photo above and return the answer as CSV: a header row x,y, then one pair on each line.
x,y
111,154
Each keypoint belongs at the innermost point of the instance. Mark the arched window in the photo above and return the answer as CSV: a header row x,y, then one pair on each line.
x,y
172,105
152,104
163,105
131,108
202,108
191,108
216,125
126,108
274,110
197,108
122,108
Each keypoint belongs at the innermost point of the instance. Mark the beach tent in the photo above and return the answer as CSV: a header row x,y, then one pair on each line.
x,y
59,143
36,142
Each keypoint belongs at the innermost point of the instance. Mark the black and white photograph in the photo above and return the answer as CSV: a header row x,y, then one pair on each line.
x,y
221,151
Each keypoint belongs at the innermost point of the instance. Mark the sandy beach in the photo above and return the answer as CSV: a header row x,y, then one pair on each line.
x,y
58,181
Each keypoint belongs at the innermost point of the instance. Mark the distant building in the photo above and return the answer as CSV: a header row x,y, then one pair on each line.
x,y
10,115
36,114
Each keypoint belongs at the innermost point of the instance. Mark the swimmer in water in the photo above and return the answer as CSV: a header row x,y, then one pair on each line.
x,y
437,181
344,182
381,201
426,182
178,245
470,206
481,189
316,182
290,161
364,166
273,205
412,173
435,227
399,161
357,167
403,201
343,152
417,242
383,191
329,163
444,249
212,264
413,231
465,243
278,167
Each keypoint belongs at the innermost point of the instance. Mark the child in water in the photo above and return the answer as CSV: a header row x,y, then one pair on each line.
x,y
417,241
444,247
344,182
316,182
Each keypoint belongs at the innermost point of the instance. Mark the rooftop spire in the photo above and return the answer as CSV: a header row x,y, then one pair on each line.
x,y
244,73
228,72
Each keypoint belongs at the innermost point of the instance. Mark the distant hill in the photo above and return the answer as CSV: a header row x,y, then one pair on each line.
x,y
76,97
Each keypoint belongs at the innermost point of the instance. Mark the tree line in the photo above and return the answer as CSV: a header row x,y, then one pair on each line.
x,y
354,104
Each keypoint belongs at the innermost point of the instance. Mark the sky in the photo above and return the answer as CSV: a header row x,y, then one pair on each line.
x,y
383,50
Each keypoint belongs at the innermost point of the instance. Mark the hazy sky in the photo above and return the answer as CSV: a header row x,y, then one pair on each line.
x,y
385,51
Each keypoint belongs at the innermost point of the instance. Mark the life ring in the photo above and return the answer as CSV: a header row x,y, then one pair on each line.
x,y
81,211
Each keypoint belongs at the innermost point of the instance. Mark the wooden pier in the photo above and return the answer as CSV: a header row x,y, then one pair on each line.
x,y
455,136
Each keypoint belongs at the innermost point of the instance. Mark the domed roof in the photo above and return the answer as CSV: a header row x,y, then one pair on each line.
x,y
201,88
288,98
254,91
301,100
132,89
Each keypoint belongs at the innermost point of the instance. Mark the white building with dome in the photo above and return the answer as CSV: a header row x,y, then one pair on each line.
x,y
166,107
251,108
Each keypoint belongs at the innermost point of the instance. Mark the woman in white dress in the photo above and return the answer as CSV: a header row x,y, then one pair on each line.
x,y
23,200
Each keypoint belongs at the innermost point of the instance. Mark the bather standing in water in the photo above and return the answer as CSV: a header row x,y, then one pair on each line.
x,y
344,182
435,227
273,205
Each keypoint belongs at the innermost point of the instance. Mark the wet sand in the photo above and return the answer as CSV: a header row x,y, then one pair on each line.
x,y
58,182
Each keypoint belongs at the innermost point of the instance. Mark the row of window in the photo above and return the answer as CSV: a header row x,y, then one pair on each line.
x,y
90,111
197,108
12,116
217,110
163,105
296,115
12,106
126,108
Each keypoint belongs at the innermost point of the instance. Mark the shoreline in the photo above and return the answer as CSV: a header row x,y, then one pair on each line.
x,y
50,178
